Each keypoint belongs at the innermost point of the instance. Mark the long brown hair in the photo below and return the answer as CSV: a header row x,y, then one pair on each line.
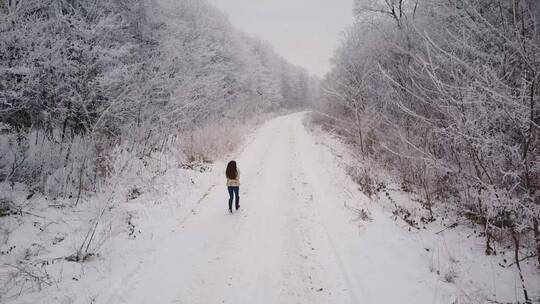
x,y
231,171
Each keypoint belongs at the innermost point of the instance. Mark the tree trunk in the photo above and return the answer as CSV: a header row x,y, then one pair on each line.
x,y
359,127
515,237
536,229
489,249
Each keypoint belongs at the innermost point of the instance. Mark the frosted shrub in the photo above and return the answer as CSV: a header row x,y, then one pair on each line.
x,y
450,276
208,143
47,164
8,156
363,177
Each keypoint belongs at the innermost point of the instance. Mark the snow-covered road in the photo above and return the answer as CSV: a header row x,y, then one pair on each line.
x,y
293,241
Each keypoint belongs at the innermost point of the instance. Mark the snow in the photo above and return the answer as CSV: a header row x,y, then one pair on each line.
x,y
298,238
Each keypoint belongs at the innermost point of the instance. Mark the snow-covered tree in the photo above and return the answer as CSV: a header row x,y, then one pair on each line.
x,y
93,75
447,92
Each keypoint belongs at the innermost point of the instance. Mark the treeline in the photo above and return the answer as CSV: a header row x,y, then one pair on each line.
x,y
81,78
447,93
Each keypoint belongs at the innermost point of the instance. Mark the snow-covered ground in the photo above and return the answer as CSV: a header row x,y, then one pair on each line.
x,y
304,234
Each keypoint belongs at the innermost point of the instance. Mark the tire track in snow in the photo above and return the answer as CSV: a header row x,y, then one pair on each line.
x,y
315,199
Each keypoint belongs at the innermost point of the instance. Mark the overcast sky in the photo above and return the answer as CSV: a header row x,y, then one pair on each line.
x,y
304,31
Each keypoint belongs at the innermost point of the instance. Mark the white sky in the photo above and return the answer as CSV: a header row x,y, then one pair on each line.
x,y
305,32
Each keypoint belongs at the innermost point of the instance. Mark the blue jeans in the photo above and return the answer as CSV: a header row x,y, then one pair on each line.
x,y
234,190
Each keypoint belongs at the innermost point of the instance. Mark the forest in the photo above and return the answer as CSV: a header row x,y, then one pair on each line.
x,y
85,81
446,94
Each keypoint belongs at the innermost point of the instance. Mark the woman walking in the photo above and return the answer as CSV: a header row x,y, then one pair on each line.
x,y
233,183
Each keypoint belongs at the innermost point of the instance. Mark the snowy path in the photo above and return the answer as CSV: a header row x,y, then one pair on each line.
x,y
293,241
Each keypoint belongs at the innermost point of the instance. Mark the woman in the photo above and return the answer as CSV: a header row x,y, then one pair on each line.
x,y
233,183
